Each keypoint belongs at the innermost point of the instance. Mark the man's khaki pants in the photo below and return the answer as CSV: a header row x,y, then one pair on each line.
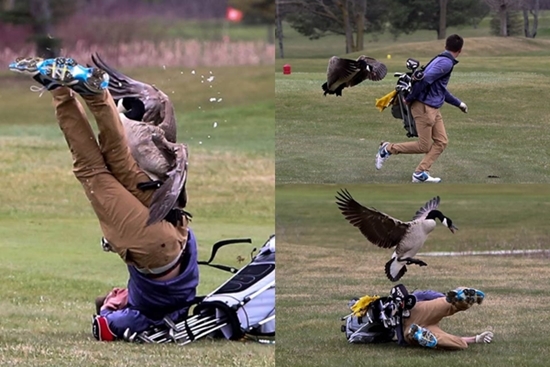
x,y
428,314
429,126
109,175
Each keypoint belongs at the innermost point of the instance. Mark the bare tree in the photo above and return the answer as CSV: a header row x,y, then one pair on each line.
x,y
279,27
502,7
345,15
360,10
533,7
441,34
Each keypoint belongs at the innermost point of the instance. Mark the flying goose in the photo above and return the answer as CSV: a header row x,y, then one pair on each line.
x,y
150,126
387,232
342,73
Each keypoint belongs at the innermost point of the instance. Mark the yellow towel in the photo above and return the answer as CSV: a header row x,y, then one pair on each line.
x,y
382,103
362,305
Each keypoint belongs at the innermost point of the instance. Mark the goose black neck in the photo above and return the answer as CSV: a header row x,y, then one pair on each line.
x,y
135,107
435,214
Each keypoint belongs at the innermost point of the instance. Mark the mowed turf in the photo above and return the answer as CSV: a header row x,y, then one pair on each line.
x,y
502,139
324,262
49,237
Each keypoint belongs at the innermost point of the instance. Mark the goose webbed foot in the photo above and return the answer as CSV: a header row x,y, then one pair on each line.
x,y
411,260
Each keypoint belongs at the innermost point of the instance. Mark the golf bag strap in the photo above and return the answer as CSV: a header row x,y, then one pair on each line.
x,y
215,249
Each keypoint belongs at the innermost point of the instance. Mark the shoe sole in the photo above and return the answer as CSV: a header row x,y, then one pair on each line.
x,y
413,330
414,180
471,296
69,73
26,65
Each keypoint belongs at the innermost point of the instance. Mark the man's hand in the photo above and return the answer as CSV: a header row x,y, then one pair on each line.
x,y
463,107
485,337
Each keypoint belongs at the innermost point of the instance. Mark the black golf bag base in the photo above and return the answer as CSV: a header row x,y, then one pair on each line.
x,y
241,308
382,320
402,111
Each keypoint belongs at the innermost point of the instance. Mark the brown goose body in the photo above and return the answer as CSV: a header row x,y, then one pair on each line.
x,y
385,231
345,73
151,138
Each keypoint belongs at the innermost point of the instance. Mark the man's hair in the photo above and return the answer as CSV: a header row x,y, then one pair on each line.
x,y
454,43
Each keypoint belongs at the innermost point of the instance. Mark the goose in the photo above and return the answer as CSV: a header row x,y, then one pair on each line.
x,y
149,124
387,232
342,73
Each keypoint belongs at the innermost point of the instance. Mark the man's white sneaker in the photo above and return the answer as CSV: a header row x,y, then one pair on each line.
x,y
424,177
382,155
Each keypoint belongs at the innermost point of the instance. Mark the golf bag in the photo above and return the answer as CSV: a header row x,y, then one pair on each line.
x,y
381,320
242,307
399,109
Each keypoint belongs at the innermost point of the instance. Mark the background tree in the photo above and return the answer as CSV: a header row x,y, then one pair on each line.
x,y
514,24
352,18
533,7
258,12
502,7
40,15
407,16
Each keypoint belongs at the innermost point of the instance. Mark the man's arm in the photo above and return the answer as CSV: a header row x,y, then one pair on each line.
x,y
110,325
437,69
484,338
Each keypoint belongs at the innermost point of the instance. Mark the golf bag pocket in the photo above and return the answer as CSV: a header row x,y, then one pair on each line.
x,y
246,302
367,329
402,111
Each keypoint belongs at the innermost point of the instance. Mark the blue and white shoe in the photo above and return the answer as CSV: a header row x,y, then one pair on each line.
x,y
423,336
382,155
467,295
63,71
424,177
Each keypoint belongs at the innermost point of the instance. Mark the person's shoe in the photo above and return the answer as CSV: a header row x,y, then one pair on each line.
x,y
382,155
63,71
423,336
466,295
424,177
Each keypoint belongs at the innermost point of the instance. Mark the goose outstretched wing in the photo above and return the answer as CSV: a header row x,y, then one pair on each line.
x,y
379,228
377,71
422,213
158,109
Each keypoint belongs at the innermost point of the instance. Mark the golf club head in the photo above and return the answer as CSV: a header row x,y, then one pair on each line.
x,y
412,64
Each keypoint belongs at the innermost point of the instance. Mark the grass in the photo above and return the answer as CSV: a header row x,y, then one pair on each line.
x,y
324,262
334,140
53,264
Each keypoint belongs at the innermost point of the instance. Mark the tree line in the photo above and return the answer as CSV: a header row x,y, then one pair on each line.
x,y
355,18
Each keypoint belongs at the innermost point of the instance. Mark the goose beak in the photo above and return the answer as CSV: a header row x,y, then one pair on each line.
x,y
452,228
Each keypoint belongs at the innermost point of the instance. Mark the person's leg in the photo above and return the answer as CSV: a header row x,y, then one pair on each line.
x,y
121,215
87,158
447,341
114,146
424,117
440,141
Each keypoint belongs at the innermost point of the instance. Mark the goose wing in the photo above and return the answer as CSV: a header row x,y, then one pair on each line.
x,y
379,228
377,71
422,213
340,71
165,197
158,109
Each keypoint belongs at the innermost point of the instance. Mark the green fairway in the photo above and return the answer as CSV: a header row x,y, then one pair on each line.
x,y
324,262
49,237
335,139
